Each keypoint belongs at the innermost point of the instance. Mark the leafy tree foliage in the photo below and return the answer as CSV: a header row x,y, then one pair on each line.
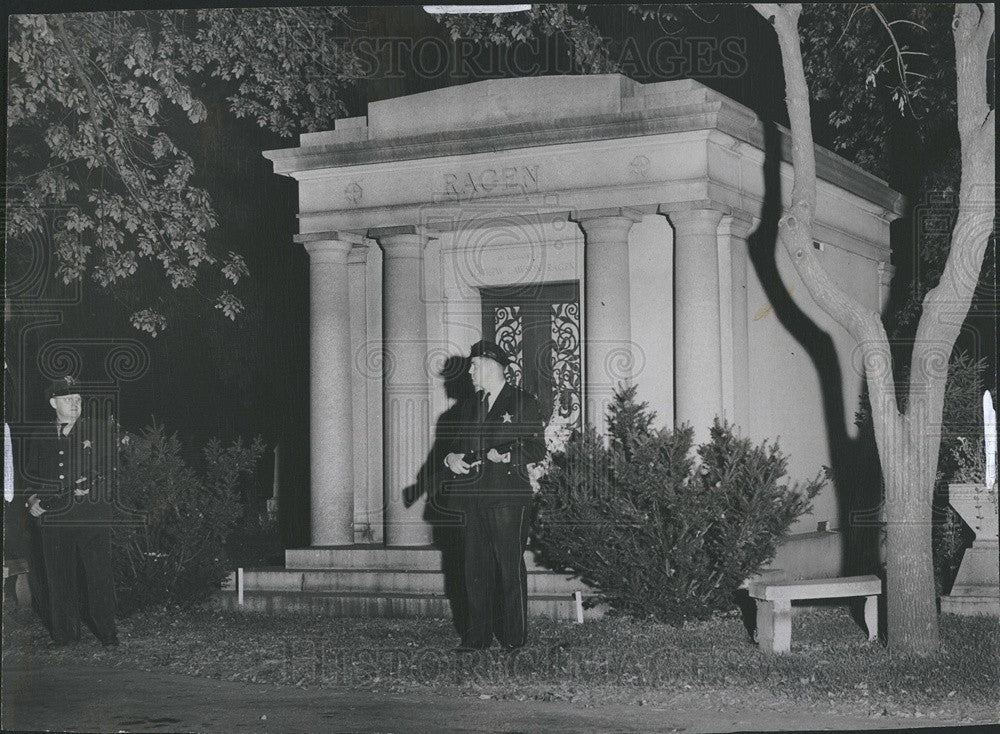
x,y
96,171
588,48
875,68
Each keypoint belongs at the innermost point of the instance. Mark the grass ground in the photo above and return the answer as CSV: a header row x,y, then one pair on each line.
x,y
831,665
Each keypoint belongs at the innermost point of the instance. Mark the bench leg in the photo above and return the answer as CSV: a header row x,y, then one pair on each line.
x,y
871,617
774,625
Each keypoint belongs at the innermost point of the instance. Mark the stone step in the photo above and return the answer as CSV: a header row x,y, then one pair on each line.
x,y
427,558
407,580
986,604
375,604
968,599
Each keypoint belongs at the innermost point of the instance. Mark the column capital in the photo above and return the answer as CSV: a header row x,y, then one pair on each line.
x,y
686,217
406,242
697,205
608,225
327,251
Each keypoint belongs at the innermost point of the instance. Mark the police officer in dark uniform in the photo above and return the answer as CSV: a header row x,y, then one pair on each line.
x,y
71,468
499,432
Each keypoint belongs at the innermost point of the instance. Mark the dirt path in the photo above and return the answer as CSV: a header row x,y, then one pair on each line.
x,y
81,697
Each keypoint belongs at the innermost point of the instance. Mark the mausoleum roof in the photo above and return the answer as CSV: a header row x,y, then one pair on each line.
x,y
504,114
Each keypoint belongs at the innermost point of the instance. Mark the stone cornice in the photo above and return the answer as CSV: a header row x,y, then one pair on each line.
x,y
718,112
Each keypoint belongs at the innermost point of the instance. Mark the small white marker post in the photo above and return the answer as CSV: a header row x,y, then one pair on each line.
x,y
578,604
239,586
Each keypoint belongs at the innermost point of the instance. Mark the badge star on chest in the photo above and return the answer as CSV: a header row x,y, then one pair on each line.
x,y
507,417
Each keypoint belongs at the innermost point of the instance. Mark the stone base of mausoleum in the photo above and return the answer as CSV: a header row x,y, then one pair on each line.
x,y
378,581
375,581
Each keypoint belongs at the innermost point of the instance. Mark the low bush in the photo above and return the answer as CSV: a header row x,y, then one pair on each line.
x,y
256,541
178,554
660,530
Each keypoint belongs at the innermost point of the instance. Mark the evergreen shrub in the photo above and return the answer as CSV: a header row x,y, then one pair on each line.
x,y
178,555
658,529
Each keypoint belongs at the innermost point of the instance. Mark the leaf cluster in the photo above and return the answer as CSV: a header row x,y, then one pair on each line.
x,y
288,66
590,51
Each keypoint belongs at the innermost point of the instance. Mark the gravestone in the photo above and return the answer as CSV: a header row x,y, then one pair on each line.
x,y
977,586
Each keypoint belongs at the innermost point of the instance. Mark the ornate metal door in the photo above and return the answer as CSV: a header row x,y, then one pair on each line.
x,y
540,327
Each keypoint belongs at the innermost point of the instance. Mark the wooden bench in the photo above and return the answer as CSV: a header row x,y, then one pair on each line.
x,y
774,604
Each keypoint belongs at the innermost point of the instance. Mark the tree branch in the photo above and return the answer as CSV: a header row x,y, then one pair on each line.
x,y
972,28
947,304
795,227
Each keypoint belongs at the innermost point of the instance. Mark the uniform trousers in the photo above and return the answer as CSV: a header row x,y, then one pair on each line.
x,y
495,537
67,548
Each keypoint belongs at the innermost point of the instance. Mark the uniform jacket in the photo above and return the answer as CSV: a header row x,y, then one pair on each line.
x,y
513,424
74,475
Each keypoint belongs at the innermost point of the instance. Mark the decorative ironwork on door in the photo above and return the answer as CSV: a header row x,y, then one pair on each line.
x,y
509,331
566,370
541,330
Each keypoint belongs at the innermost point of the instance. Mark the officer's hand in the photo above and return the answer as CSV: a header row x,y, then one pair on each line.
x,y
497,458
35,506
457,463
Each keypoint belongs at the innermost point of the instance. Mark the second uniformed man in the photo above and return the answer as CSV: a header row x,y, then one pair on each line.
x,y
71,468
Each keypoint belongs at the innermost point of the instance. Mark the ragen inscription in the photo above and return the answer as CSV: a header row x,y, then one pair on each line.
x,y
491,182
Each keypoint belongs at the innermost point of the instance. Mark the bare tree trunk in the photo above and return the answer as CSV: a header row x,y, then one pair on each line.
x,y
908,442
911,609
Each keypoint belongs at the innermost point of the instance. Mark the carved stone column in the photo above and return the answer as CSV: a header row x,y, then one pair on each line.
x,y
608,345
330,423
366,343
407,419
697,333
735,344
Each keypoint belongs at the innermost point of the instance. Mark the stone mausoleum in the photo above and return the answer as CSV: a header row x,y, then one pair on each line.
x,y
598,229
